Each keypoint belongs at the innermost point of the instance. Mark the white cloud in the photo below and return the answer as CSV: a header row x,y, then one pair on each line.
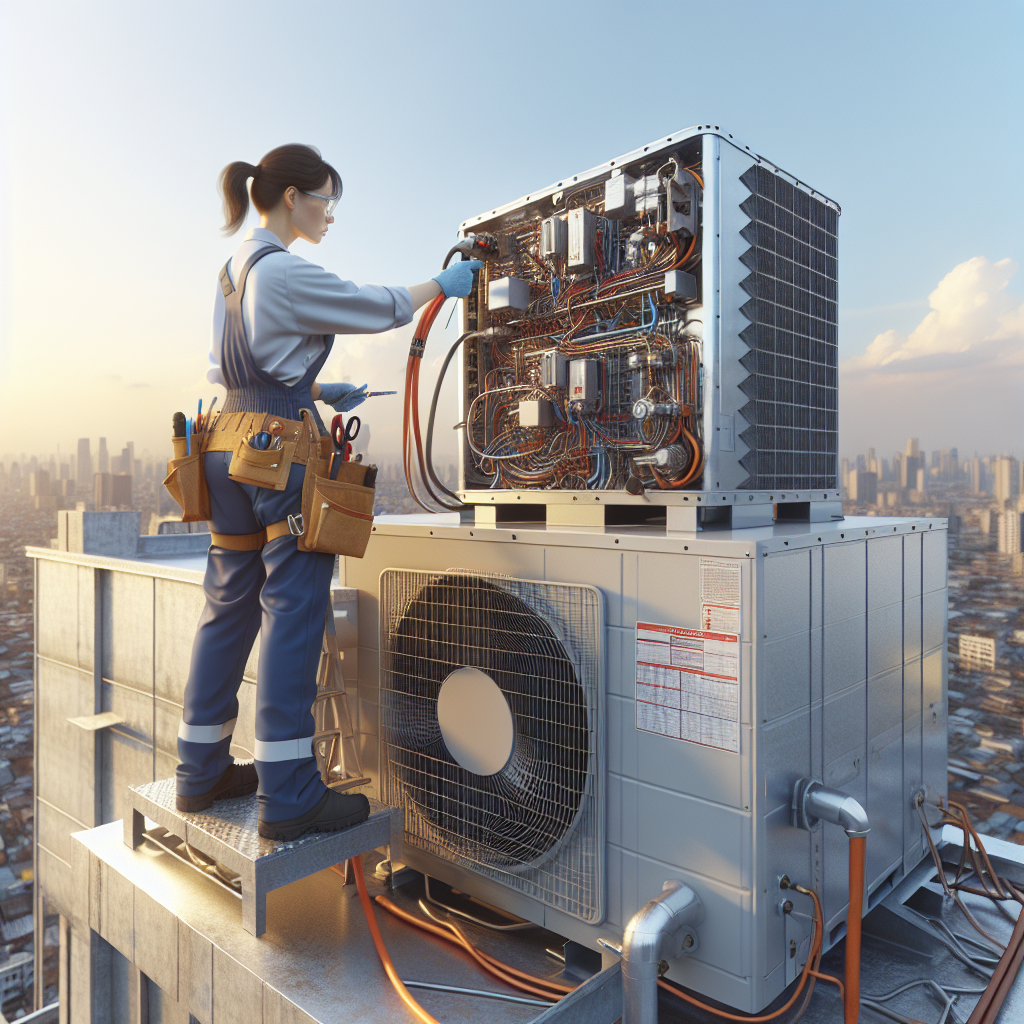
x,y
973,320
956,379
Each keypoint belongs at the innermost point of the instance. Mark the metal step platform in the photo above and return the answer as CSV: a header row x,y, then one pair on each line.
x,y
227,834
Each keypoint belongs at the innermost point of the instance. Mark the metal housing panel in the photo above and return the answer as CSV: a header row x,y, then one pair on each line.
x,y
885,572
786,586
845,653
845,590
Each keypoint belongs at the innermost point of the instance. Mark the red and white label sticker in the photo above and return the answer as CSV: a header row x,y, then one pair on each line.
x,y
687,684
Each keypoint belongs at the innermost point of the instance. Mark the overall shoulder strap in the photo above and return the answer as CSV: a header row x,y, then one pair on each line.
x,y
251,262
225,274
225,280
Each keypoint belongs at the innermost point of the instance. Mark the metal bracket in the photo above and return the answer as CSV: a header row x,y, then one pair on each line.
x,y
295,525
93,723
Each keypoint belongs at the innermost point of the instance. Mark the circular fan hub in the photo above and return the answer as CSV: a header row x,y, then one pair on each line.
x,y
476,721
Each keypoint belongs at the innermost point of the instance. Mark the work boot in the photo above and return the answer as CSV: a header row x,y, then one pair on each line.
x,y
239,779
336,811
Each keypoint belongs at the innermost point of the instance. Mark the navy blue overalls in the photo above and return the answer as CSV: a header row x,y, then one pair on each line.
x,y
279,591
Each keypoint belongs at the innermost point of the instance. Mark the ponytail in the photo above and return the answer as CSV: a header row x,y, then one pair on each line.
x,y
294,164
236,195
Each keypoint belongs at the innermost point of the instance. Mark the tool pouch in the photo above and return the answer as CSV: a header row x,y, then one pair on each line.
x,y
337,515
186,480
263,468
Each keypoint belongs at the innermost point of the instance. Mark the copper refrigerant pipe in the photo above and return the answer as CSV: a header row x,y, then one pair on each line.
x,y
851,996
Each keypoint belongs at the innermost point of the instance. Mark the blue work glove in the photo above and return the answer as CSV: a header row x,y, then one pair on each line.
x,y
457,281
342,397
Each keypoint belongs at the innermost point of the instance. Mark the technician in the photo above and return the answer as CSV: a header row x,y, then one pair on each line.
x,y
274,321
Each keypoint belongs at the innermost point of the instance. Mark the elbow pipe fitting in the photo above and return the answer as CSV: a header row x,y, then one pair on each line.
x,y
663,929
813,801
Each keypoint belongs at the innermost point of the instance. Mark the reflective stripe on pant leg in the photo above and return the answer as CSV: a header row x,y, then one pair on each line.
x,y
205,733
284,750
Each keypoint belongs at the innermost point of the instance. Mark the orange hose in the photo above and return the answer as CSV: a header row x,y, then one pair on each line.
x,y
356,864
819,927
441,933
851,999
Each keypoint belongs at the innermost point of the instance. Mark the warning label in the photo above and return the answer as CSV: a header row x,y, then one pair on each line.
x,y
720,595
687,684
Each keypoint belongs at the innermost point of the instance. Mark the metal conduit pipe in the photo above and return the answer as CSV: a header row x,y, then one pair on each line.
x,y
663,929
814,801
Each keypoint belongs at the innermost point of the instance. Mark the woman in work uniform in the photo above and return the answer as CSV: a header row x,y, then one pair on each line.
x,y
275,318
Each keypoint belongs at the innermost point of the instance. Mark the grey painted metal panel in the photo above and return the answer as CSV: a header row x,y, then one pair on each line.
x,y
935,721
845,653
843,722
680,830
934,606
705,772
845,580
785,676
785,758
886,807
885,639
786,580
912,564
933,560
885,572
912,626
885,702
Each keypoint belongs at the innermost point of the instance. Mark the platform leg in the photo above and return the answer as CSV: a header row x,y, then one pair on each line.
x,y
134,827
254,905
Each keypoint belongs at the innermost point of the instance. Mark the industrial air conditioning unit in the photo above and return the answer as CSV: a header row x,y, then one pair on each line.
x,y
598,681
666,321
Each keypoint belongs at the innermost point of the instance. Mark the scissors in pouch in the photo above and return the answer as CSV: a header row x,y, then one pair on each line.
x,y
343,434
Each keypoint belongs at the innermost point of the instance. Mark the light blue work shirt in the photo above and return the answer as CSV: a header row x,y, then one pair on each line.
x,y
288,299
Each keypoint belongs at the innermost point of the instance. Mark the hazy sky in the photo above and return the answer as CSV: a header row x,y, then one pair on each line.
x,y
117,118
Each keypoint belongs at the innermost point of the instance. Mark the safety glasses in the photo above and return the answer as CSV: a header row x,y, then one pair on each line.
x,y
331,201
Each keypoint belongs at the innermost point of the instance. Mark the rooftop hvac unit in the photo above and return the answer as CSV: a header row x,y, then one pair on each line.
x,y
491,728
631,706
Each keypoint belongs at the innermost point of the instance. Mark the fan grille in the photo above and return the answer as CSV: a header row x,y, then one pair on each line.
x,y
537,824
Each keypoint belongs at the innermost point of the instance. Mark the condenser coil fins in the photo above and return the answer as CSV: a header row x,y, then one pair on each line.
x,y
791,390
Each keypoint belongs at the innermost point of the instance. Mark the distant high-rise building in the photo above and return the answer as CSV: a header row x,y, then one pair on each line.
x,y
84,466
103,485
128,458
103,460
909,466
977,652
862,487
1006,479
39,484
913,447
121,490
1010,533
